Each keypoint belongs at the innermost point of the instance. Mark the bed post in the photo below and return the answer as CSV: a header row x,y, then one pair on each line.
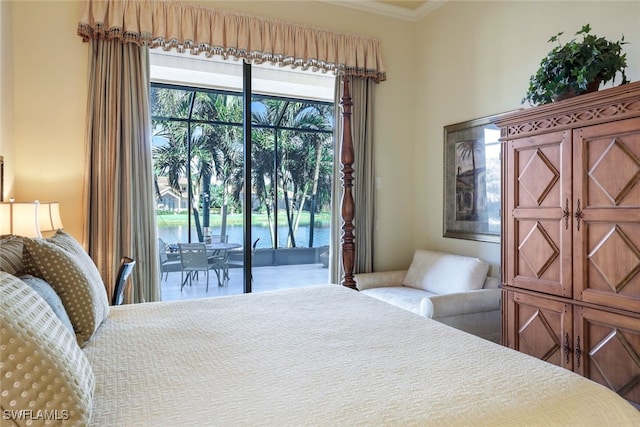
x,y
348,204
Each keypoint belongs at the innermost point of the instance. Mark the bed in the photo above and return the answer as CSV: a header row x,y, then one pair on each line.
x,y
325,355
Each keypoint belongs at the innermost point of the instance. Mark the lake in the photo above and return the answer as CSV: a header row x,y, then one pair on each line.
x,y
321,235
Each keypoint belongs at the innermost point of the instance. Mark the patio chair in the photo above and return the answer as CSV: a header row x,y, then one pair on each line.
x,y
229,261
165,262
218,258
193,259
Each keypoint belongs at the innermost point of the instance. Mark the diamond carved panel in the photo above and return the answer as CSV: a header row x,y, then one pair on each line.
x,y
538,250
619,380
537,337
617,157
616,246
538,176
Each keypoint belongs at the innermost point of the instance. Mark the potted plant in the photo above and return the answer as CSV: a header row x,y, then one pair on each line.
x,y
576,67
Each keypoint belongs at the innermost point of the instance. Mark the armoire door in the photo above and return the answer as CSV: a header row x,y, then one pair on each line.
x,y
607,350
606,214
540,327
538,227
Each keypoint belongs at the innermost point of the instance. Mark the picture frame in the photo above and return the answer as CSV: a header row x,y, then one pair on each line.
x,y
472,180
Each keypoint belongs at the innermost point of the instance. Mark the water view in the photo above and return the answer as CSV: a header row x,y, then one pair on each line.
x,y
321,235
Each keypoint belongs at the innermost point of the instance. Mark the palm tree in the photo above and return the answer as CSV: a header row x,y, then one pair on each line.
x,y
263,175
216,150
223,144
300,154
306,156
203,129
170,159
319,118
468,149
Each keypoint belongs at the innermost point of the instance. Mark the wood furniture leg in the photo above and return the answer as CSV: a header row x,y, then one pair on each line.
x,y
348,204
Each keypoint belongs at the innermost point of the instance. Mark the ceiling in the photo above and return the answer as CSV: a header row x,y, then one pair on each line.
x,y
407,10
411,5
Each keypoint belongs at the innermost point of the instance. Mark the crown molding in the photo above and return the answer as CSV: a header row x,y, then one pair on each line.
x,y
428,7
391,11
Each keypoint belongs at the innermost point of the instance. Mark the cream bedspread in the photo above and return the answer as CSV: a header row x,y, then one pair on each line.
x,y
324,355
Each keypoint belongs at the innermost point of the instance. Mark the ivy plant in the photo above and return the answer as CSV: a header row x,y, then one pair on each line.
x,y
576,67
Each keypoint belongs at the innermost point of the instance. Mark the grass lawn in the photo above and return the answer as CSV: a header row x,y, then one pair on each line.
x,y
176,219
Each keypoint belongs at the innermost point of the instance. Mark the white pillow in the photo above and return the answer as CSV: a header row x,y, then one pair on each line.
x,y
42,368
443,273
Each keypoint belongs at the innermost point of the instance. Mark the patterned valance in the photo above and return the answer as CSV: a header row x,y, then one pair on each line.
x,y
180,26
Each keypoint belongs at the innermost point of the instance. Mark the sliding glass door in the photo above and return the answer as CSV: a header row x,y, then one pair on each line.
x,y
292,161
283,222
197,155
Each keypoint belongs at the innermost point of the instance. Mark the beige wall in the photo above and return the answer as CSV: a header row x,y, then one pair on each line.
x,y
463,61
476,60
50,86
6,97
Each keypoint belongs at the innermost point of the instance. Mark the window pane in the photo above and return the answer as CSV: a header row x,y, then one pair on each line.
x,y
198,162
170,103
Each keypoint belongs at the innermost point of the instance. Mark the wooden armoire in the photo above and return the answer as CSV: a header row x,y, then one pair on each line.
x,y
571,235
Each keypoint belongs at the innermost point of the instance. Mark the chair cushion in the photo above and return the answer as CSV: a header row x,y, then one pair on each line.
x,y
73,275
400,296
42,368
443,273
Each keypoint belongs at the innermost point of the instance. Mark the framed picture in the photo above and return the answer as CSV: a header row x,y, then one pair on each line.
x,y
472,180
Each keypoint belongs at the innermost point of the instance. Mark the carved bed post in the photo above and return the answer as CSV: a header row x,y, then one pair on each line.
x,y
348,204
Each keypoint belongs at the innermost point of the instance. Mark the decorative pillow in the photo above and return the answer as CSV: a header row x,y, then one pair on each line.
x,y
50,297
42,367
11,254
76,280
443,273
68,243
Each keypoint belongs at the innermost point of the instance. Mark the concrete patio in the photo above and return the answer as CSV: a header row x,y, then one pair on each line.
x,y
264,279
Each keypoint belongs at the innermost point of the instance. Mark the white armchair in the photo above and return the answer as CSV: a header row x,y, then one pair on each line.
x,y
451,289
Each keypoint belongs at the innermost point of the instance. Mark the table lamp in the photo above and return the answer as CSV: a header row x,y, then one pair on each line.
x,y
29,219
49,216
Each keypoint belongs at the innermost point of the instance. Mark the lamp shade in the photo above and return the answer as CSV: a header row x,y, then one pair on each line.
x,y
49,216
20,219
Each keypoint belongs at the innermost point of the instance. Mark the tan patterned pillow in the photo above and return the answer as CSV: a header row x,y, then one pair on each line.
x,y
68,243
43,371
11,254
76,281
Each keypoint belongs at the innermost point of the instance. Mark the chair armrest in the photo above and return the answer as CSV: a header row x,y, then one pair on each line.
x,y
379,279
481,300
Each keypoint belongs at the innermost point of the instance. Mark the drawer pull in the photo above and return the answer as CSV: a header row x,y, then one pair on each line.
x,y
566,214
579,214
566,348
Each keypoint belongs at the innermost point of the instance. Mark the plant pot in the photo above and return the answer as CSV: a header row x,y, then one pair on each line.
x,y
591,87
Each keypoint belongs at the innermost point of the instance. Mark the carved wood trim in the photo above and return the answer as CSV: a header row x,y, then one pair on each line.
x,y
617,103
348,204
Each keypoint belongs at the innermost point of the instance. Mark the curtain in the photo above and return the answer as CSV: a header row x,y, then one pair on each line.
x,y
362,97
119,126
119,182
197,29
